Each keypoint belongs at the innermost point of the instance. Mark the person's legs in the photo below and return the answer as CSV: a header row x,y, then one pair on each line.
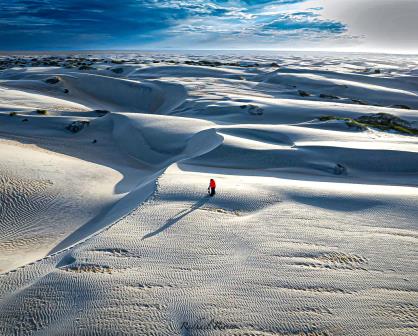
x,y
212,191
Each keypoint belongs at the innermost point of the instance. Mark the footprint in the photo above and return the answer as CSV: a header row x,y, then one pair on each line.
x,y
333,260
88,268
117,252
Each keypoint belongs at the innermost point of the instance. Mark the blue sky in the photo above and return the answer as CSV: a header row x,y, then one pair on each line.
x,y
204,24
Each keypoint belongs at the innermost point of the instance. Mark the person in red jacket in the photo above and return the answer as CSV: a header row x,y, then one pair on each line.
x,y
212,187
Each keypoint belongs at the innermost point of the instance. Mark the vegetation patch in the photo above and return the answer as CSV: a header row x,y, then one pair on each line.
x,y
52,80
253,109
328,96
86,67
42,111
77,126
116,61
381,121
349,121
303,93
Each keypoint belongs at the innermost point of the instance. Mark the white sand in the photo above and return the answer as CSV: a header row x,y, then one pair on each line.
x,y
118,237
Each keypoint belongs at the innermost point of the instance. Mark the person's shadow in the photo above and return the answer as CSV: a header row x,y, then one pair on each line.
x,y
177,217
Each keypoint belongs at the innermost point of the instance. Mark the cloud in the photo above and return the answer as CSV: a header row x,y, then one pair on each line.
x,y
308,21
100,24
257,24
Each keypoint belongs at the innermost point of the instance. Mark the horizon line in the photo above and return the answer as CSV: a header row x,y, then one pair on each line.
x,y
342,51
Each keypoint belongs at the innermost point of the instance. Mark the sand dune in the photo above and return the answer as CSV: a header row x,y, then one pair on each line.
x,y
106,228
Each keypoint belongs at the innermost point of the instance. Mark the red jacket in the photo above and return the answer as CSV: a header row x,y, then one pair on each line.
x,y
212,184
